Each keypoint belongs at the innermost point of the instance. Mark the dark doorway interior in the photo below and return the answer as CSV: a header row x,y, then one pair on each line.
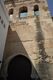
x,y
19,68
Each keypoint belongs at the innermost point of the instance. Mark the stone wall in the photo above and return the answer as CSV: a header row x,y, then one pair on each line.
x,y
33,37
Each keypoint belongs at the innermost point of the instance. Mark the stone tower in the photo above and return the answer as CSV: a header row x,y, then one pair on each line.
x,y
30,34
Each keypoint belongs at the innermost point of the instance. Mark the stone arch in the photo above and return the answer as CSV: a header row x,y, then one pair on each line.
x,y
36,8
11,11
19,68
23,10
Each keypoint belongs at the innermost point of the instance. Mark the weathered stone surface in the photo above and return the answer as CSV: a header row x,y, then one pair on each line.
x,y
32,37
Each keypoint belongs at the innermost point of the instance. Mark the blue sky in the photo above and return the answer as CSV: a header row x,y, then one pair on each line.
x,y
50,5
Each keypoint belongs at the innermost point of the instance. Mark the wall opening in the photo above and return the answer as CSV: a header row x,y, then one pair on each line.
x,y
19,68
11,11
52,18
11,14
36,10
23,12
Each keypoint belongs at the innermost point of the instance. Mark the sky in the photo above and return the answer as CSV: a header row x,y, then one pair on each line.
x,y
50,5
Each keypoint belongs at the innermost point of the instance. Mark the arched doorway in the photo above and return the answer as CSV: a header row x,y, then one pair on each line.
x,y
19,68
